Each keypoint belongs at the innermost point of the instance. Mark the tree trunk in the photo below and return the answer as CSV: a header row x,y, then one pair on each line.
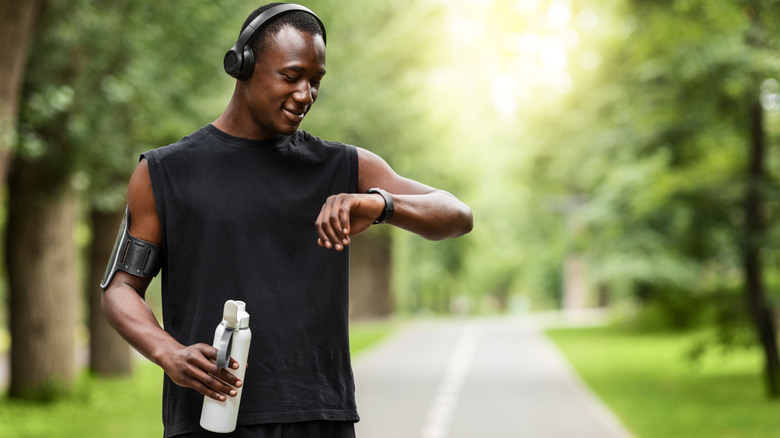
x,y
109,354
760,309
575,289
17,23
41,258
369,275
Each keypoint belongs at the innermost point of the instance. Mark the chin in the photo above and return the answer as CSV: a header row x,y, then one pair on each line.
x,y
288,129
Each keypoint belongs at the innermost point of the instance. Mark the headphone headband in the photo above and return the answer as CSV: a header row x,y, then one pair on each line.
x,y
236,63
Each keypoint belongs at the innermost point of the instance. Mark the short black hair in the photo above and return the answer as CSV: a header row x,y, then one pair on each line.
x,y
300,20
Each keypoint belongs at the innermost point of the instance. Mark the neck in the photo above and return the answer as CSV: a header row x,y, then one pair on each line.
x,y
237,121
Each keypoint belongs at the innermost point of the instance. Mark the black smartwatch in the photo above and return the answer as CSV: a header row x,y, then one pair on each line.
x,y
387,213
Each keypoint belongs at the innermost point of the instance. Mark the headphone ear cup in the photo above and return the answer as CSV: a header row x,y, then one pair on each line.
x,y
231,63
247,65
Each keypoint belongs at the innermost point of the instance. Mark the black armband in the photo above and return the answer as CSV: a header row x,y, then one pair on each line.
x,y
132,255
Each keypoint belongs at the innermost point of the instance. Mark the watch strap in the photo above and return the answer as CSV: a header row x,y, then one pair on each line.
x,y
387,213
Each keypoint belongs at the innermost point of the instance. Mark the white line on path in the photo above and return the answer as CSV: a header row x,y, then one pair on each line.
x,y
439,417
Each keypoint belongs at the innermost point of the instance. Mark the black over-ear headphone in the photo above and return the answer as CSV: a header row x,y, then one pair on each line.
x,y
239,61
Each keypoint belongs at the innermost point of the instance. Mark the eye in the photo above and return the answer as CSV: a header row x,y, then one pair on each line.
x,y
289,78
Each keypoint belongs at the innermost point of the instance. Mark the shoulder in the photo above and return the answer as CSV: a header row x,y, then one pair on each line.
x,y
322,148
304,137
182,146
371,162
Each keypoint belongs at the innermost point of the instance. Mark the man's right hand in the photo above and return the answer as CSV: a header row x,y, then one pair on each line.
x,y
192,367
196,367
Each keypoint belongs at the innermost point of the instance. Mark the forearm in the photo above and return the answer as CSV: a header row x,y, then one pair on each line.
x,y
434,216
128,313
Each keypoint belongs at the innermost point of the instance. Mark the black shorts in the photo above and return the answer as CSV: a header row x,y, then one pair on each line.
x,y
307,429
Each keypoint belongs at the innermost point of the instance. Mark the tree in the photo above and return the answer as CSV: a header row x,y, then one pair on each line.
x,y
17,23
41,255
41,259
668,148
111,99
152,92
755,222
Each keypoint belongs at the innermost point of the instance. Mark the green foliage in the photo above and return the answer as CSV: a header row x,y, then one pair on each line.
x,y
118,78
630,154
381,94
653,176
96,102
647,381
405,80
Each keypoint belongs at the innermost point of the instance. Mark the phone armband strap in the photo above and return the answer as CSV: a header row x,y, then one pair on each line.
x,y
132,255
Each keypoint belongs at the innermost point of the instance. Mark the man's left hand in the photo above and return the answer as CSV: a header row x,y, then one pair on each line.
x,y
345,215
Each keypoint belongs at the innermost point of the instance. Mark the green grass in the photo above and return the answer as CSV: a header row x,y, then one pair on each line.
x,y
114,408
647,380
367,333
119,408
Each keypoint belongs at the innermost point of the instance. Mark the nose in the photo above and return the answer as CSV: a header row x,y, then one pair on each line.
x,y
305,93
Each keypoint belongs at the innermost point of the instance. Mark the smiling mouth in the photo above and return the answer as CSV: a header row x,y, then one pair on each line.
x,y
296,115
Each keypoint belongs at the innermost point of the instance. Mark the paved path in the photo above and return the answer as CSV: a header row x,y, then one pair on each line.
x,y
487,378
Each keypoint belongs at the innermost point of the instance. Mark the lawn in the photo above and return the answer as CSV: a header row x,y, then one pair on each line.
x,y
119,408
647,380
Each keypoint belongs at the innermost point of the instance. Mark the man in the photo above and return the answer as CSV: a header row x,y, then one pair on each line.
x,y
250,208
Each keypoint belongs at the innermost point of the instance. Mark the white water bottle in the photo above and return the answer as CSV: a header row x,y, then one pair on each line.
x,y
231,340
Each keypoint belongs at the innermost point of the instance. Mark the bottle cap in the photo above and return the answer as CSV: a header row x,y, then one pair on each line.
x,y
230,314
242,315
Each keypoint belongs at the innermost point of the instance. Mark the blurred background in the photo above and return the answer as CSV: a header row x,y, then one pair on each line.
x,y
618,155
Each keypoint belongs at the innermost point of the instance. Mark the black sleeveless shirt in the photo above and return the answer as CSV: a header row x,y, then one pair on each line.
x,y
237,218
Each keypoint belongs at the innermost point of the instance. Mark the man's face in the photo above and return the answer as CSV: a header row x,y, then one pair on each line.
x,y
285,82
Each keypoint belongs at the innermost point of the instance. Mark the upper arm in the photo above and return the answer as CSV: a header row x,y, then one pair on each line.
x,y
375,172
144,222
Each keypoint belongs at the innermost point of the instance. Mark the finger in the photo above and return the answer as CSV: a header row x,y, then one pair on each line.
x,y
322,224
208,351
215,377
339,221
206,391
226,376
211,354
206,384
345,224
230,380
332,239
218,382
217,389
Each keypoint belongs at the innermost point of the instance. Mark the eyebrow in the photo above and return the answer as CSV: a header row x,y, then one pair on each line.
x,y
300,69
